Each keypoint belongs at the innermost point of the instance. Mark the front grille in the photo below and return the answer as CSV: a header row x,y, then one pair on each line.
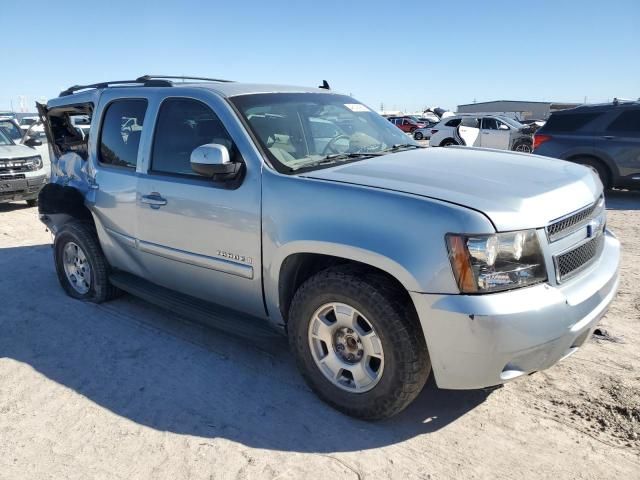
x,y
566,225
573,261
12,177
17,168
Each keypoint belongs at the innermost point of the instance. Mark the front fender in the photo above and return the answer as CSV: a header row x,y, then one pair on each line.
x,y
401,234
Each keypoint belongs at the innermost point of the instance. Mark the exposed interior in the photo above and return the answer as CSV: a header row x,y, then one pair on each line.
x,y
68,129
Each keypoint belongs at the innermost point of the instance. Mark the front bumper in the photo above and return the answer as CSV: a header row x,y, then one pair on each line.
x,y
478,341
20,187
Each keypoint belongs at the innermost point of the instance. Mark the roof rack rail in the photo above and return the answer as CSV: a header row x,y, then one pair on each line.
x,y
145,82
146,78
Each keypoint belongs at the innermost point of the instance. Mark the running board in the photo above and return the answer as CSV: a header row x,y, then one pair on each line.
x,y
254,329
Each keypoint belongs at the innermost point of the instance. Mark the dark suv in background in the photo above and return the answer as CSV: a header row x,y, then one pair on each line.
x,y
605,137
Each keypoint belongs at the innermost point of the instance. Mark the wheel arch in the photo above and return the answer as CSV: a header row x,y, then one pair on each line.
x,y
609,166
298,265
60,204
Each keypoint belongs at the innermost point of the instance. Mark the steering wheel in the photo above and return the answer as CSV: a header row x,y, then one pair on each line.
x,y
330,147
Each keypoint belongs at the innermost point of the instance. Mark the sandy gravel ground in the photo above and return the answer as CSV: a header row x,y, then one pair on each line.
x,y
123,390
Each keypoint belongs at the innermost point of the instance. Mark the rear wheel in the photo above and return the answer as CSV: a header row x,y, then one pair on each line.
x,y
81,266
358,343
418,136
32,203
448,142
523,146
598,168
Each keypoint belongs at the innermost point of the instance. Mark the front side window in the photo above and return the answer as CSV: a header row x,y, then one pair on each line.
x,y
292,127
489,124
183,125
627,122
121,131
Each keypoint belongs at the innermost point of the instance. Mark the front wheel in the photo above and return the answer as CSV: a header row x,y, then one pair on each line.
x,y
358,343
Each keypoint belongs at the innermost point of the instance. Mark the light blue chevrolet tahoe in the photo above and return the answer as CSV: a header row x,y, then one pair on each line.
x,y
257,206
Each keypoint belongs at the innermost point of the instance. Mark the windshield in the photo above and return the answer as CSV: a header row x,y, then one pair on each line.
x,y
309,130
11,129
512,122
4,139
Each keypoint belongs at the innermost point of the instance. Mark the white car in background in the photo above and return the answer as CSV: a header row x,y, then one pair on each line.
x,y
486,131
26,122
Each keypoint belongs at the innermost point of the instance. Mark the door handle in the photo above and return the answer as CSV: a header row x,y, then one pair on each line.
x,y
154,200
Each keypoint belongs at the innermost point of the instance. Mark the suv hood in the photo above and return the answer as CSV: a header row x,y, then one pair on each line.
x,y
516,191
8,152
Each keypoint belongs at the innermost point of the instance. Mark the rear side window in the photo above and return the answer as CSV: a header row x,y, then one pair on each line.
x,y
569,122
470,122
183,125
627,122
453,123
121,131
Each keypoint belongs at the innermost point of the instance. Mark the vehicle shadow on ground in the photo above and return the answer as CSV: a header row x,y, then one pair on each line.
x,y
13,206
138,362
623,199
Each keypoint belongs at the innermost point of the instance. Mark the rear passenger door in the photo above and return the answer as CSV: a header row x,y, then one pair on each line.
x,y
117,158
195,235
621,141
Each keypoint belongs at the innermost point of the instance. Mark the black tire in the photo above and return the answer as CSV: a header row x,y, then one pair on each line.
x,y
447,142
84,235
418,136
523,146
412,129
406,359
32,203
597,166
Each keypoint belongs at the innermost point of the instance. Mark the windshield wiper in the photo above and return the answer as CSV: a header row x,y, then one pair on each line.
x,y
402,146
336,157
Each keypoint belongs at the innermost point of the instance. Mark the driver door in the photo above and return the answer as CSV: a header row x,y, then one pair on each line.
x,y
494,134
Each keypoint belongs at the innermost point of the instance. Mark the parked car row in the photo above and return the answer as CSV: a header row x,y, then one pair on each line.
x,y
419,127
490,131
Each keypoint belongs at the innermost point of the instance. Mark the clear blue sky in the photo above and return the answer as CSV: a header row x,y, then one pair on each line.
x,y
403,54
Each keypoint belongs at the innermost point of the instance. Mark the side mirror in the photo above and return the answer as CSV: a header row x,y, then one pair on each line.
x,y
32,142
212,160
502,126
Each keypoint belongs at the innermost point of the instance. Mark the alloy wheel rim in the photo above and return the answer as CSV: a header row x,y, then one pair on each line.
x,y
523,148
346,348
76,268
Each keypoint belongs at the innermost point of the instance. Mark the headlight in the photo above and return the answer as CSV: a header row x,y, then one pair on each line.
x,y
35,162
491,263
